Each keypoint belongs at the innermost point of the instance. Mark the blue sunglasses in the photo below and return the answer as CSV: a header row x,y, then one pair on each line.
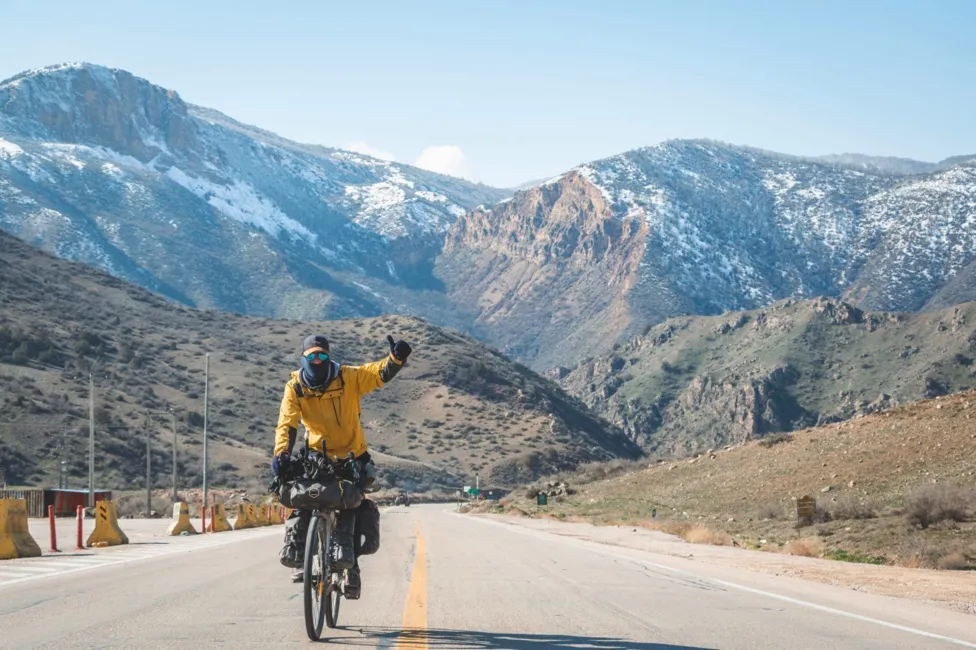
x,y
321,356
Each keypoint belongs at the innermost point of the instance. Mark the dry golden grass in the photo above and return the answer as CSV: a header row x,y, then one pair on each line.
x,y
806,547
954,561
700,534
884,474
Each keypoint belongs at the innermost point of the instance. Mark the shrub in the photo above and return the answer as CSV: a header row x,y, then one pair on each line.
x,y
934,504
670,368
822,514
102,415
770,510
700,534
917,553
954,561
769,441
846,556
807,547
852,508
21,355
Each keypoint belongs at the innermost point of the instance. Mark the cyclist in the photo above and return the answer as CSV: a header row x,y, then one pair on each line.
x,y
325,397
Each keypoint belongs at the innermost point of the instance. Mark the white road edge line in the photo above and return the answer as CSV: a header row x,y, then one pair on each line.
x,y
127,559
789,599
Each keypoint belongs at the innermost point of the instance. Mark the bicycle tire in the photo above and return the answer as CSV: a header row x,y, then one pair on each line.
x,y
333,590
314,581
333,595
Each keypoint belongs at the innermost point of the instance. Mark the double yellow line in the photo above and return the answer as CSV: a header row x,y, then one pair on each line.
x,y
414,635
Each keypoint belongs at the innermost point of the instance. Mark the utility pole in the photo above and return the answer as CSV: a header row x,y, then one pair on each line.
x,y
63,474
172,415
148,466
91,441
206,407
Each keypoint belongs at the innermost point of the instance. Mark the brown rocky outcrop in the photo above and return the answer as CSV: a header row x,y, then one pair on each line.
x,y
109,108
548,269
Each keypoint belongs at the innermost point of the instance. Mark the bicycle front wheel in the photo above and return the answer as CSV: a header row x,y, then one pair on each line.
x,y
316,577
332,595
333,588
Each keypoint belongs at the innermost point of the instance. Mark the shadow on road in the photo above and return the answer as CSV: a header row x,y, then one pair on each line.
x,y
385,637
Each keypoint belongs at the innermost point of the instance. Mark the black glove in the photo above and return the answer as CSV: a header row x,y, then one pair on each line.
x,y
281,463
399,349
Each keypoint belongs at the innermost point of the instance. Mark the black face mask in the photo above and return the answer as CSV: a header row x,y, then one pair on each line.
x,y
318,375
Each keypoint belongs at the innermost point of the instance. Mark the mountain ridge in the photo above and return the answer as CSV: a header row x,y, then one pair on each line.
x,y
216,213
727,228
91,159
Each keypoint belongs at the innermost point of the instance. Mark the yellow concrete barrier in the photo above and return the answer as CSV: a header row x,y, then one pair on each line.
x,y
107,531
218,519
15,538
262,514
274,514
241,521
181,520
252,516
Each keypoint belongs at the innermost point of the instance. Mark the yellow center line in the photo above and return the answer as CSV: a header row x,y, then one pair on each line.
x,y
414,635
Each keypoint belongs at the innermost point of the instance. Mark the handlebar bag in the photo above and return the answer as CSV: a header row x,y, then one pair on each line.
x,y
308,494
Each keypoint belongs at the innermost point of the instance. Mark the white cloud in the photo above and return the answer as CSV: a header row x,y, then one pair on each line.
x,y
369,150
444,159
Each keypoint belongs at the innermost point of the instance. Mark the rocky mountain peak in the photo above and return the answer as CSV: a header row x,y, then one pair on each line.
x,y
564,220
87,104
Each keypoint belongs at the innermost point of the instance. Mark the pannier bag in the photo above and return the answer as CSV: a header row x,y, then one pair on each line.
x,y
368,527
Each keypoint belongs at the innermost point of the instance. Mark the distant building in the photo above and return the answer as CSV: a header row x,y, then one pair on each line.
x,y
65,502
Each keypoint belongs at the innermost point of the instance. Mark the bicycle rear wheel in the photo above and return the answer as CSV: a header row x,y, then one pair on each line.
x,y
316,576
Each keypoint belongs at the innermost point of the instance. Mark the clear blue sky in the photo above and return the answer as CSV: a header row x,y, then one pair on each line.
x,y
528,88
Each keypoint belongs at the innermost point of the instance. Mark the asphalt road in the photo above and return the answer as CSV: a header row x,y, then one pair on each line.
x,y
443,580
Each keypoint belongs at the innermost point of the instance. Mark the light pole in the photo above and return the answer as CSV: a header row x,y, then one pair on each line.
x,y
91,441
148,466
172,415
206,405
62,475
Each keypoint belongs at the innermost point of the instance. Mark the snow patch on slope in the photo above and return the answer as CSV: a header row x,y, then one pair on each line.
x,y
9,150
241,202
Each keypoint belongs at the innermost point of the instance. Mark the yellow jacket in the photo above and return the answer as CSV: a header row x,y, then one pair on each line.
x,y
331,415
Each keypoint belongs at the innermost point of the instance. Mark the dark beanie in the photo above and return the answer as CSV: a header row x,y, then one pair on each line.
x,y
315,342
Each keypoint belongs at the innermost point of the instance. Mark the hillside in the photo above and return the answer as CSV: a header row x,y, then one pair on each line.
x,y
459,407
874,480
694,383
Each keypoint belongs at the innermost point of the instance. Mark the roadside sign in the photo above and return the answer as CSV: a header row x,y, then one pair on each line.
x,y
806,508
541,499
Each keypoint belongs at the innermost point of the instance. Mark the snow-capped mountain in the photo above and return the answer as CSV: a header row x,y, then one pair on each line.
x,y
100,166
599,253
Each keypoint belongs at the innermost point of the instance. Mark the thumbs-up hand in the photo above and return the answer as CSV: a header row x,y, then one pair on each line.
x,y
400,350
